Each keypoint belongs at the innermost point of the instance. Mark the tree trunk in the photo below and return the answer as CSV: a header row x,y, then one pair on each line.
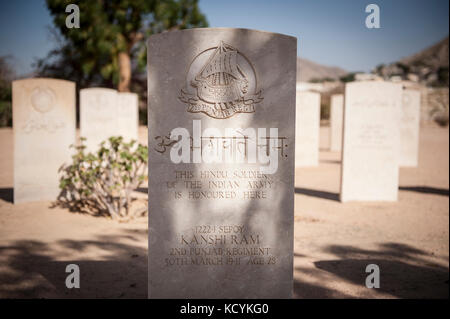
x,y
124,72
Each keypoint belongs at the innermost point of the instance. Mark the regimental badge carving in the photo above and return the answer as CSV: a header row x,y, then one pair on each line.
x,y
221,82
42,99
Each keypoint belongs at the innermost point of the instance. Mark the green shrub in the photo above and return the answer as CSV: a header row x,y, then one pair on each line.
x,y
325,111
5,113
102,183
441,119
5,93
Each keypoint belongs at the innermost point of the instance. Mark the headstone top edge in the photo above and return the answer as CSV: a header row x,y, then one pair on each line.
x,y
381,83
98,89
127,93
307,92
162,34
39,79
410,90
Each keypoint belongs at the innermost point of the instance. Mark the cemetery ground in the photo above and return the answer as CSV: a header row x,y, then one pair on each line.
x,y
333,242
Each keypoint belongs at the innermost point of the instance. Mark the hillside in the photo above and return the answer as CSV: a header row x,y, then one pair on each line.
x,y
429,66
435,56
308,70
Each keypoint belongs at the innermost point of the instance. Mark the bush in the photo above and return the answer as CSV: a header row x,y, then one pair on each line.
x,y
349,77
441,119
325,111
5,113
437,100
6,76
102,183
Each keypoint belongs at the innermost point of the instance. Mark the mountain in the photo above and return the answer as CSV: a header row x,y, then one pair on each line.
x,y
435,56
429,66
308,70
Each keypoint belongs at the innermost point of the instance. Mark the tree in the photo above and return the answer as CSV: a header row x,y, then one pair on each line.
x,y
6,76
109,45
349,77
442,77
404,68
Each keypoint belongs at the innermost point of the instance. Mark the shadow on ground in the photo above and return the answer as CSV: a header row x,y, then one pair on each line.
x,y
317,193
29,270
329,161
335,196
7,194
405,272
425,190
143,190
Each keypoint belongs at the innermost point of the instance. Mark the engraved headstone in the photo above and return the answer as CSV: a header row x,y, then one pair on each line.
x,y
409,128
127,116
98,116
44,128
307,129
221,111
370,157
336,122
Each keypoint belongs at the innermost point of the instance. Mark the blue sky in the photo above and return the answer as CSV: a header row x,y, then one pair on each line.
x,y
330,32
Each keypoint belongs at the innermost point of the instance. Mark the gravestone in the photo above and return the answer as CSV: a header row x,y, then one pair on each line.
x,y
98,116
221,111
409,128
127,116
44,128
336,122
307,129
370,157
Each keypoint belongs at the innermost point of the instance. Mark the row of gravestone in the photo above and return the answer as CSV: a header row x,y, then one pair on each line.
x,y
377,132
44,124
307,127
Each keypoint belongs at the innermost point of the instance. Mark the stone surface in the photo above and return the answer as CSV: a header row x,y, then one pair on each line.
x,y
370,157
105,113
307,129
98,116
409,128
44,128
336,122
220,228
128,115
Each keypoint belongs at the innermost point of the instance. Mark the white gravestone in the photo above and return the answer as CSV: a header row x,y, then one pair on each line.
x,y
370,157
307,129
44,128
336,122
105,113
98,116
409,128
221,111
128,116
